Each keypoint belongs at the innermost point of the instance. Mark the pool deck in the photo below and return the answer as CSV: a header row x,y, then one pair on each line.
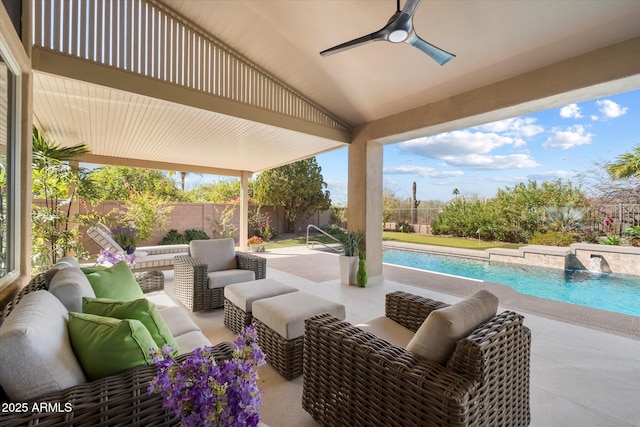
x,y
582,373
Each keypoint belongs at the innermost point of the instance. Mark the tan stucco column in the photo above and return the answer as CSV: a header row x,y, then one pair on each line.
x,y
244,210
365,198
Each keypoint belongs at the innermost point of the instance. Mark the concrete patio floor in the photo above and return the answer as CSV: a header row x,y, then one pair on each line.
x,y
580,375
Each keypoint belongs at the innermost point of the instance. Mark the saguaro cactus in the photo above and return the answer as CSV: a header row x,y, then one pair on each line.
x,y
414,205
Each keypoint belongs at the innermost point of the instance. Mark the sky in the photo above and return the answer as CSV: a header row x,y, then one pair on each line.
x,y
544,146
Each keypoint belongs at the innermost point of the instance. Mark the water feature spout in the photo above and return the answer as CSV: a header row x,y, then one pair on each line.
x,y
595,263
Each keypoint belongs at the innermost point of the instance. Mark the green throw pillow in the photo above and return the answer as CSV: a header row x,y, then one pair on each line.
x,y
141,309
117,282
107,346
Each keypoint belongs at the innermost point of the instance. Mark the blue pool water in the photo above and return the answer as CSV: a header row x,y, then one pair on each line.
x,y
611,292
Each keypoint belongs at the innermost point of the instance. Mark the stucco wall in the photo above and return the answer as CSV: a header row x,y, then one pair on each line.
x,y
203,216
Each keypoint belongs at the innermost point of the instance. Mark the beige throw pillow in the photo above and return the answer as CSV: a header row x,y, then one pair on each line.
x,y
437,337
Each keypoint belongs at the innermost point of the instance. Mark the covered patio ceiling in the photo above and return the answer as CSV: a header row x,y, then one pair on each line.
x,y
492,40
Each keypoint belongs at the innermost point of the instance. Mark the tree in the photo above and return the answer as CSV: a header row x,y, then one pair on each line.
x,y
58,184
390,203
298,187
218,192
116,182
627,165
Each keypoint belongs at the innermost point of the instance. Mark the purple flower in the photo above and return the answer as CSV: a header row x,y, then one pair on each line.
x,y
108,257
203,393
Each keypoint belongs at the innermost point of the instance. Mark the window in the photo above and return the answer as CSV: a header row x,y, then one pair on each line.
x,y
9,161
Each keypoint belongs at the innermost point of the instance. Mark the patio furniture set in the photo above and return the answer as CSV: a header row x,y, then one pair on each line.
x,y
423,363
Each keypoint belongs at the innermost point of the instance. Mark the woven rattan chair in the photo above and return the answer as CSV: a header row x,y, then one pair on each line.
x,y
191,280
120,399
353,378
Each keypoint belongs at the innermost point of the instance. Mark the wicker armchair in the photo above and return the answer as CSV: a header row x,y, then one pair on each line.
x,y
353,378
191,278
116,400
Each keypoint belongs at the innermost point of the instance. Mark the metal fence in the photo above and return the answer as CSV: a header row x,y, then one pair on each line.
x,y
610,219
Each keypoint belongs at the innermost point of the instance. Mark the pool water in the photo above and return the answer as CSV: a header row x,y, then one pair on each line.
x,y
612,292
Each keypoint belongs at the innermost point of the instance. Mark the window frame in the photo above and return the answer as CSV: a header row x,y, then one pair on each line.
x,y
14,157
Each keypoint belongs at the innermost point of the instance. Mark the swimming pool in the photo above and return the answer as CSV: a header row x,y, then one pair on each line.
x,y
611,292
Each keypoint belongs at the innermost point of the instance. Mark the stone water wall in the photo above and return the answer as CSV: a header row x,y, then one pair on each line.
x,y
579,256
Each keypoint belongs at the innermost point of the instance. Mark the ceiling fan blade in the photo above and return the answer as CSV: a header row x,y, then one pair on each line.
x,y
410,7
373,37
439,55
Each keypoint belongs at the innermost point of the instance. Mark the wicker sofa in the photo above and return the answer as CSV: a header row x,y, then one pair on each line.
x,y
120,399
200,277
352,377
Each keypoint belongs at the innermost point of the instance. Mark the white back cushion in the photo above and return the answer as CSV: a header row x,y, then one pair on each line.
x,y
218,254
437,337
36,354
69,285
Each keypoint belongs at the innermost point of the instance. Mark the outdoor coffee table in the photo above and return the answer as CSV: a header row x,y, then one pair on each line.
x,y
239,298
280,324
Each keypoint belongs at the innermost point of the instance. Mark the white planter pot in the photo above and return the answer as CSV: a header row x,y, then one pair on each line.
x,y
348,269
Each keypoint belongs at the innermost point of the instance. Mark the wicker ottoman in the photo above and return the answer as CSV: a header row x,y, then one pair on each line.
x,y
239,297
280,324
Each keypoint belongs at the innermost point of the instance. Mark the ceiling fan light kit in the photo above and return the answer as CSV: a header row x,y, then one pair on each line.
x,y
399,29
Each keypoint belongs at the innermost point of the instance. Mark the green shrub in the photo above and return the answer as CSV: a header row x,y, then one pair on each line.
x,y
609,240
173,237
333,229
552,238
194,234
404,227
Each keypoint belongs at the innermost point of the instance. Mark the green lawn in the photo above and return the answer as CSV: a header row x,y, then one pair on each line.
x,y
454,242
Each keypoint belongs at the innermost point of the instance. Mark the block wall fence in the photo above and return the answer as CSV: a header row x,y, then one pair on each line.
x,y
202,216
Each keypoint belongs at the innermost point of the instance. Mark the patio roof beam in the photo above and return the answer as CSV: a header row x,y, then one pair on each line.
x,y
612,69
149,164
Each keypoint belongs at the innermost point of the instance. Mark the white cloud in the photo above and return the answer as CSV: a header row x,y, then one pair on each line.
x,y
571,111
595,118
518,126
423,171
610,109
456,143
570,137
467,149
485,162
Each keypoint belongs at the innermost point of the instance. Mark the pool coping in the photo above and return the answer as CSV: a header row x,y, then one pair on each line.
x,y
615,323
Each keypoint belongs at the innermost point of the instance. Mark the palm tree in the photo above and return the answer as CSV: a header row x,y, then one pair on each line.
x,y
456,192
626,166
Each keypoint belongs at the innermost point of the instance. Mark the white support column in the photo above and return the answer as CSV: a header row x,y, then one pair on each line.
x,y
244,210
365,206
373,214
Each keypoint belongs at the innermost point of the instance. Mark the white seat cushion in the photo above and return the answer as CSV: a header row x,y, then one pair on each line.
x,y
219,279
437,337
192,340
218,254
242,295
178,321
388,330
285,314
35,350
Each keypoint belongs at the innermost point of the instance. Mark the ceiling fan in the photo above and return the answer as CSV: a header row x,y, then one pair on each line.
x,y
399,29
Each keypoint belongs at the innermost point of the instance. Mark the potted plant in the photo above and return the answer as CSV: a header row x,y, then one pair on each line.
x,y
349,260
256,244
126,237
